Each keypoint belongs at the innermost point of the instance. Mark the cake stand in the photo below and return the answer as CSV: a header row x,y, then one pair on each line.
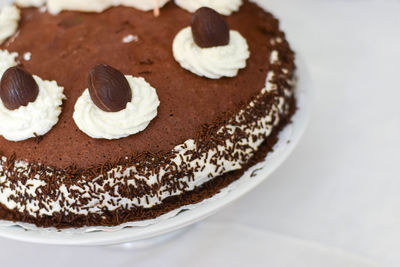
x,y
139,236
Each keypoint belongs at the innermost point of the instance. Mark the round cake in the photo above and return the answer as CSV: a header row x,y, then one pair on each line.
x,y
118,112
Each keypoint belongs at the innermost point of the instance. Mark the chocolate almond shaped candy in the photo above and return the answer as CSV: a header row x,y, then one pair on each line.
x,y
108,88
17,88
209,28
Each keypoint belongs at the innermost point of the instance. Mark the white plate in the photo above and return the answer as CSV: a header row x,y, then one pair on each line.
x,y
288,139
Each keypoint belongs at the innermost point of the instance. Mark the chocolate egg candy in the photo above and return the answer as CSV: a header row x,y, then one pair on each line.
x,y
17,88
108,88
209,28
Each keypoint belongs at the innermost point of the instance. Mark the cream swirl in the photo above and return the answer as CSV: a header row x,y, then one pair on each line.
x,y
214,62
56,6
35,119
224,7
9,20
7,60
137,115
144,5
28,3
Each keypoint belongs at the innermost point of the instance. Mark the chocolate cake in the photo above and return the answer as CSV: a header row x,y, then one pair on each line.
x,y
200,123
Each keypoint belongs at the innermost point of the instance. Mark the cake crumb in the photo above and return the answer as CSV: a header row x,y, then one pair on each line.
x,y
130,38
27,56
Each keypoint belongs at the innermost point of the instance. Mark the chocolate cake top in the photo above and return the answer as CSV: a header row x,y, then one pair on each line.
x,y
68,45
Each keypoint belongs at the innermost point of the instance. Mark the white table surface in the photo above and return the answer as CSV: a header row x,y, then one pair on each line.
x,y
336,201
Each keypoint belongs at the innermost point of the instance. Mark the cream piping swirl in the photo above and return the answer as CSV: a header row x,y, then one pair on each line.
x,y
35,119
214,62
137,115
9,20
224,7
56,6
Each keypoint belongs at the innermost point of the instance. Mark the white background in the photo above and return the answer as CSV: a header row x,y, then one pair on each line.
x,y
336,200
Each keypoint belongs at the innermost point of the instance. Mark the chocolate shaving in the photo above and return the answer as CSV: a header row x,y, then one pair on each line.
x,y
147,61
38,138
144,72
